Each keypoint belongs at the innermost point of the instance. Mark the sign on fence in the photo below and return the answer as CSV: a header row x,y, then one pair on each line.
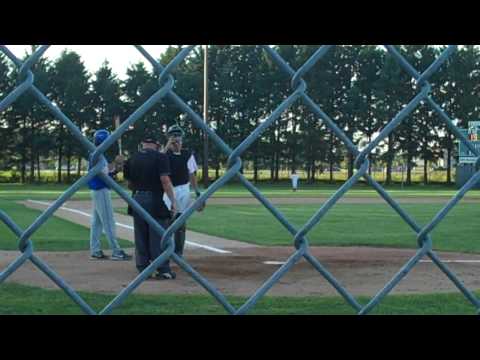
x,y
473,134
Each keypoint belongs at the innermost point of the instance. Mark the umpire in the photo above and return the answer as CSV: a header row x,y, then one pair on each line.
x,y
148,173
183,168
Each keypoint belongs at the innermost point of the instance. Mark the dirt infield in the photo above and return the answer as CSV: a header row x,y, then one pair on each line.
x,y
363,271
237,268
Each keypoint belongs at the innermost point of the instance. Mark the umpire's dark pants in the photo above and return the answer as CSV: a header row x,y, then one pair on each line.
x,y
180,238
147,241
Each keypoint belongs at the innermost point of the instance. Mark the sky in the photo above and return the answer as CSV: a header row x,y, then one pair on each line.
x,y
120,57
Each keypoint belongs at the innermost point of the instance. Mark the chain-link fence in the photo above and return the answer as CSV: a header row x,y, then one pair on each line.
x,y
165,92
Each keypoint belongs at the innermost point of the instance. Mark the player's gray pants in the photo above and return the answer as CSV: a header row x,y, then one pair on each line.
x,y
147,241
102,219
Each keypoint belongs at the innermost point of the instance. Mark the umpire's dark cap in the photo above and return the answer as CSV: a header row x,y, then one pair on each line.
x,y
150,139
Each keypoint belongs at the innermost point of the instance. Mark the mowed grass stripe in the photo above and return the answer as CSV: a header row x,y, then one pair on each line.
x,y
55,235
344,225
26,300
51,192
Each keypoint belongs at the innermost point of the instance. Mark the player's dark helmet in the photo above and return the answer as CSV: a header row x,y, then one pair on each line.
x,y
175,130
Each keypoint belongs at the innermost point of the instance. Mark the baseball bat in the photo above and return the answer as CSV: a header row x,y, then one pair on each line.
x,y
117,125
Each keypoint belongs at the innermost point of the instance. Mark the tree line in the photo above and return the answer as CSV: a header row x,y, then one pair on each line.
x,y
360,87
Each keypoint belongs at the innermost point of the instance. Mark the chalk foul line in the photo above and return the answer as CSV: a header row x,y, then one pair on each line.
x,y
75,211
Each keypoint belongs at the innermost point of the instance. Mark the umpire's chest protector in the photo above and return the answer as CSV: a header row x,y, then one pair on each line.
x,y
179,173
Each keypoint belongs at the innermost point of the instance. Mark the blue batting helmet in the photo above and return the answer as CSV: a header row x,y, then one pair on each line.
x,y
100,136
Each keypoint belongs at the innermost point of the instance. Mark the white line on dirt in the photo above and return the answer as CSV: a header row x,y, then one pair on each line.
x,y
454,261
274,262
209,248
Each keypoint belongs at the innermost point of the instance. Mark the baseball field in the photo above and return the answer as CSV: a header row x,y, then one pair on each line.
x,y
237,245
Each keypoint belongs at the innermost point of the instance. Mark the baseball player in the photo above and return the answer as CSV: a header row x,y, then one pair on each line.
x,y
102,217
183,169
294,177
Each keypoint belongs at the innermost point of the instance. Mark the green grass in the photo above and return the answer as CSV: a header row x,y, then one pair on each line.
x,y
55,235
370,222
41,192
437,176
25,300
52,191
38,192
344,225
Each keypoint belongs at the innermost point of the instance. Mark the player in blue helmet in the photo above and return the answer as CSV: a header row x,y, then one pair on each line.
x,y
102,217
100,136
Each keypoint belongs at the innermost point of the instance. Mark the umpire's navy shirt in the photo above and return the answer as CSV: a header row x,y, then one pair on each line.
x,y
144,169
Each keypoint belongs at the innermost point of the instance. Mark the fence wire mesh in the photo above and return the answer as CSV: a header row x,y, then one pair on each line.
x,y
301,249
